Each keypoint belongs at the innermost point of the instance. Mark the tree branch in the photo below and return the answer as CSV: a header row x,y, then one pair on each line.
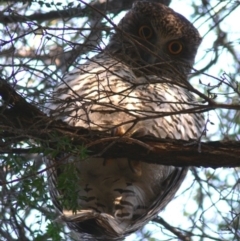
x,y
20,120
111,6
175,231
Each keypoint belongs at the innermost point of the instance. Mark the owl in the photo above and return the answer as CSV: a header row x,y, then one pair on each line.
x,y
136,87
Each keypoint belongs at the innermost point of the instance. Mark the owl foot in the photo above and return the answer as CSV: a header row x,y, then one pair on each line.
x,y
118,131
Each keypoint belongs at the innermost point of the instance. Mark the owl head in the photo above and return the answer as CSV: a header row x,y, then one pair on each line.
x,y
155,39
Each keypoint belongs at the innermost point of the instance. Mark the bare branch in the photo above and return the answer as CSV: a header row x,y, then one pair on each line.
x,y
179,234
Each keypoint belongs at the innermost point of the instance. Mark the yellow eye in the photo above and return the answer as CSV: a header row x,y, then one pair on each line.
x,y
145,32
175,47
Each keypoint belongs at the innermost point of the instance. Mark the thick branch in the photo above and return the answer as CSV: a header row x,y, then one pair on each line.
x,y
20,120
174,152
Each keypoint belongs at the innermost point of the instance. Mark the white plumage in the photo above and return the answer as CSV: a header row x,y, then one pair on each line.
x,y
104,93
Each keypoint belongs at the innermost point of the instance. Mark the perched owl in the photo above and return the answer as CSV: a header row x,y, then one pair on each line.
x,y
137,86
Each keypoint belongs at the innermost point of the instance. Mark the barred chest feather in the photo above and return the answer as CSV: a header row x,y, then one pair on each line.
x,y
104,97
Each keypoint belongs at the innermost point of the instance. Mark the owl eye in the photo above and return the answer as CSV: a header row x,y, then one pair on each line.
x,y
175,47
145,32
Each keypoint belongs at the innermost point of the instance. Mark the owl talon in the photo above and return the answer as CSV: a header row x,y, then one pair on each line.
x,y
118,131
